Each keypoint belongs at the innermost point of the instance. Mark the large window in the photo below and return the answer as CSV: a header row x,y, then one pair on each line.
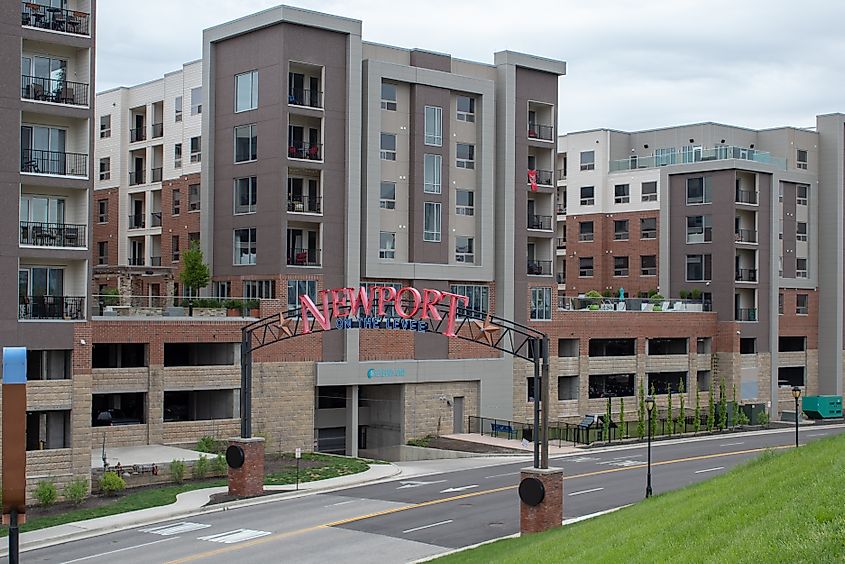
x,y
699,229
801,158
431,227
177,155
541,304
176,206
246,91
479,299
387,245
388,147
801,268
465,156
585,231
103,210
259,289
800,231
433,126
801,194
802,304
246,194
389,310
387,196
177,109
388,96
649,191
585,266
432,170
648,265
620,266
105,126
464,249
466,109
194,202
588,195
246,143
298,288
621,194
588,160
611,385
196,100
698,268
48,365
648,228
105,168
464,202
196,149
245,246
102,252
698,190
567,388
621,230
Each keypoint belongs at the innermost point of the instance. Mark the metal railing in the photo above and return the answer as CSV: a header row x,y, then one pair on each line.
x,y
155,174
54,162
54,90
137,134
571,303
544,177
158,130
136,261
137,221
746,275
55,19
540,267
586,237
543,222
746,235
746,314
746,197
305,97
51,307
561,242
308,151
561,174
304,257
137,177
155,261
540,131
155,219
53,234
304,204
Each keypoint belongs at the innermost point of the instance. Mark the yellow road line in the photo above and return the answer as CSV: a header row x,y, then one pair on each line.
x,y
279,536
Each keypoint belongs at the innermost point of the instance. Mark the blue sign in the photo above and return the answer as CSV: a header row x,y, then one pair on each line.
x,y
370,322
14,365
385,373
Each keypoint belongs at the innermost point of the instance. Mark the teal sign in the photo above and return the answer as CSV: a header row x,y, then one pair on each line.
x,y
385,373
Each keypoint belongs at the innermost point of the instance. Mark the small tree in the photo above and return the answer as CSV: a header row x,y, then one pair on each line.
x,y
652,420
670,420
711,408
723,405
736,405
607,421
621,418
195,274
696,423
682,413
641,412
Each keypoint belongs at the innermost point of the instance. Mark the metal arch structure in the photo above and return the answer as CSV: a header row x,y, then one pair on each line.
x,y
503,335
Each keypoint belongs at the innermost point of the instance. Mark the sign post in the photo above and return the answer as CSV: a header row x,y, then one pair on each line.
x,y
14,445
298,455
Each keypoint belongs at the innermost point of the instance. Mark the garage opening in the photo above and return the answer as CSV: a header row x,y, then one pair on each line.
x,y
48,365
665,381
119,355
47,429
611,385
199,354
613,347
792,344
118,409
791,376
658,347
200,405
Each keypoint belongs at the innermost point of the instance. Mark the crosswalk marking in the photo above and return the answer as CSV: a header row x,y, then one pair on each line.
x,y
238,535
175,528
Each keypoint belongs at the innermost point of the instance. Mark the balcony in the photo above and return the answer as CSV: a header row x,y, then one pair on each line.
x,y
746,236
567,303
538,131
52,90
137,177
55,19
746,197
746,275
137,134
541,222
155,261
51,307
560,277
746,314
304,257
155,174
720,153
544,177
561,174
304,204
561,209
54,162
158,130
53,234
155,219
136,261
540,267
136,221
307,151
305,97
561,242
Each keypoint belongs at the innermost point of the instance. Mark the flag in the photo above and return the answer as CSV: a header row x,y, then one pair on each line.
x,y
532,178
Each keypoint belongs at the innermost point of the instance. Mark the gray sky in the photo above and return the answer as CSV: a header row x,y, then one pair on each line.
x,y
631,64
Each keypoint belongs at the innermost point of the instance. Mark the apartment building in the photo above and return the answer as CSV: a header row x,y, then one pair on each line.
x,y
46,113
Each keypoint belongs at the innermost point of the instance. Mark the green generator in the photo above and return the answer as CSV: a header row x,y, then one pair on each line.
x,y
822,407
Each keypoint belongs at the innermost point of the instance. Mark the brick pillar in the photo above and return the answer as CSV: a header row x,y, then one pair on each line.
x,y
248,480
549,512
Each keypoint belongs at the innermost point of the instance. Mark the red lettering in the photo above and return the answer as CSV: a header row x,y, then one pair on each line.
x,y
430,299
360,299
400,308
339,303
386,295
322,319
453,310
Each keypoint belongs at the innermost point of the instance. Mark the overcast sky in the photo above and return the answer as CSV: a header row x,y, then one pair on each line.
x,y
631,64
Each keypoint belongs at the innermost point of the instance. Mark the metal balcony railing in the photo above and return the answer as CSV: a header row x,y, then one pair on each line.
x,y
136,261
746,236
54,90
540,267
539,131
586,237
158,130
561,174
155,219
304,257
308,151
305,97
746,197
55,19
136,221
746,275
138,134
543,222
155,174
561,278
561,242
304,204
544,177
746,314
52,234
51,307
54,162
561,210
137,177
155,261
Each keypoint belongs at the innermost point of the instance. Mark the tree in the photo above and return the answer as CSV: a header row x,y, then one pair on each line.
x,y
607,421
652,420
670,420
682,414
621,418
711,408
641,412
733,401
696,423
194,273
723,405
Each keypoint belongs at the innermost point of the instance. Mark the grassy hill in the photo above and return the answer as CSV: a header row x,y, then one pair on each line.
x,y
787,506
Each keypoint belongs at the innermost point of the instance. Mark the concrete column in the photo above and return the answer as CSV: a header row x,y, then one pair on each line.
x,y
352,420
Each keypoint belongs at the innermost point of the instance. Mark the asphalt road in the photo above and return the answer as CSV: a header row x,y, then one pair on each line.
x,y
411,518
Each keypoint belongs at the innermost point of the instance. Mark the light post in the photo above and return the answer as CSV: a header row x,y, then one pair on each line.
x,y
649,405
796,393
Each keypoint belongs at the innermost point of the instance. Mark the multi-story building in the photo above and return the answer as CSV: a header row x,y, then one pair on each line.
x,y
46,110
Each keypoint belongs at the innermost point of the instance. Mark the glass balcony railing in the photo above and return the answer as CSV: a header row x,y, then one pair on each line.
x,y
746,236
720,153
746,314
746,275
136,221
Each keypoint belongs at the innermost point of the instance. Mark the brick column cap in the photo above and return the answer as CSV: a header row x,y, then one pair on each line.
x,y
542,471
246,441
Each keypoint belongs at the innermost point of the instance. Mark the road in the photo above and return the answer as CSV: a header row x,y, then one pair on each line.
x,y
411,518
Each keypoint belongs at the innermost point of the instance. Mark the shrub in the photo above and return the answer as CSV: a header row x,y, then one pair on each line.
x,y
208,444
683,294
641,411
46,493
112,484
111,296
696,422
740,418
656,298
218,465
233,304
200,469
695,294
763,419
252,304
177,471
76,491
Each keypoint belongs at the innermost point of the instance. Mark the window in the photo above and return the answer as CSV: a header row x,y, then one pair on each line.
x,y
388,96
246,91
103,252
194,197
177,109
780,229
193,238
388,147
246,143
620,266
649,191
567,388
621,194
801,268
541,304
260,289
464,249
246,194
102,211
620,229
387,197
699,229
48,365
298,288
588,195
698,190
585,231
464,202
801,194
465,156
466,109
801,158
177,155
431,227
780,303
568,348
792,344
588,160
801,231
177,201
585,266
105,168
789,376
196,149
245,246
433,126
387,245
698,268
196,100
221,289
610,385
479,298
648,228
105,126
802,304
432,169
174,248
648,265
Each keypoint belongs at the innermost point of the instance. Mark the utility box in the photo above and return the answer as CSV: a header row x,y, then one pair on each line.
x,y
822,407
753,411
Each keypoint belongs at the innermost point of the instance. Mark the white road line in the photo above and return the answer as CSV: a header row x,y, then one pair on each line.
x,y
501,475
118,550
427,526
459,489
710,470
732,444
417,483
175,528
586,491
238,535
340,503
816,435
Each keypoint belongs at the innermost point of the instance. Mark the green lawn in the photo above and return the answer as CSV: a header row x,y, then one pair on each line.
x,y
332,467
782,507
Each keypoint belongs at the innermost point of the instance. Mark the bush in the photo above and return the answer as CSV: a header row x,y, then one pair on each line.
x,y
252,304
695,294
112,484
741,419
218,465
763,419
207,302
76,491
208,444
656,298
233,304
683,294
200,469
46,493
177,471
111,296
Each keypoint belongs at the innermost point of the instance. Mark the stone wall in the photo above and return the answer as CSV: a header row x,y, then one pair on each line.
x,y
428,410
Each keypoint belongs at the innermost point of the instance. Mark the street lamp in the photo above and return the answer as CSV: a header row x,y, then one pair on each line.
x,y
796,393
649,405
